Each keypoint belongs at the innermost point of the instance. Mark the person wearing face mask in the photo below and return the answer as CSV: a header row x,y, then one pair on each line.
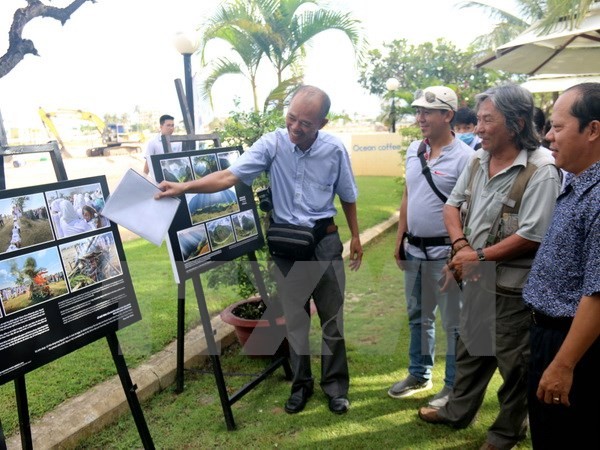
x,y
465,121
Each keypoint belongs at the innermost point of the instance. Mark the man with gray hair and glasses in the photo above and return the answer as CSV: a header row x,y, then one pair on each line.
x,y
497,214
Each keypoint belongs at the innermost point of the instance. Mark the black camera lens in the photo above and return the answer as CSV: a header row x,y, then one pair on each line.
x,y
265,202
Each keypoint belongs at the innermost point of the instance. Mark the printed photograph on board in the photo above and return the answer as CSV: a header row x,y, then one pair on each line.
x,y
24,221
31,279
77,209
177,169
91,260
244,225
220,233
203,207
204,164
226,159
193,242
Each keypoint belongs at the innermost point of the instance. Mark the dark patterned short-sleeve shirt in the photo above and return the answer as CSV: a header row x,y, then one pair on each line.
x,y
567,264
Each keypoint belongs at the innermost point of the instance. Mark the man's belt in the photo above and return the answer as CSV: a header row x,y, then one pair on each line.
x,y
422,242
554,323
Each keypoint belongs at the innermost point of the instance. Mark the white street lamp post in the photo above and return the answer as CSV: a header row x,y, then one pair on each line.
x,y
187,44
392,85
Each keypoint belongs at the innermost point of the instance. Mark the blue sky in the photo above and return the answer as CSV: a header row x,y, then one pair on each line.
x,y
47,259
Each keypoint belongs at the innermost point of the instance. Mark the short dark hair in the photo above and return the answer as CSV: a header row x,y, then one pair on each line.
x,y
465,115
586,107
539,119
164,118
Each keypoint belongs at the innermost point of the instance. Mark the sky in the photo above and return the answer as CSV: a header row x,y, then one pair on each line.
x,y
114,55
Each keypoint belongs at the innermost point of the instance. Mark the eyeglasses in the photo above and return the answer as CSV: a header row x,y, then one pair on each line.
x,y
430,97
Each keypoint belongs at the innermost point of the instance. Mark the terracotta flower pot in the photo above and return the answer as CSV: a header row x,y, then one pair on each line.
x,y
258,337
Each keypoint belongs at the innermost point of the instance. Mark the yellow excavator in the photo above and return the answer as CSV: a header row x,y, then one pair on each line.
x,y
112,134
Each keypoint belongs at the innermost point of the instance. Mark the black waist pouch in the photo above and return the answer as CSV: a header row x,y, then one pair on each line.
x,y
291,241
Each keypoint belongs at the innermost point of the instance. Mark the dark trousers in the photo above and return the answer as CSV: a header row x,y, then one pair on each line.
x,y
559,426
510,328
324,280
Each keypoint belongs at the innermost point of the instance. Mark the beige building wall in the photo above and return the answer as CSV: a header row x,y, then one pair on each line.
x,y
377,154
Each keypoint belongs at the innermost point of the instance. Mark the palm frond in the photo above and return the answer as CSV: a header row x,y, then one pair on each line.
x,y
560,13
220,68
277,97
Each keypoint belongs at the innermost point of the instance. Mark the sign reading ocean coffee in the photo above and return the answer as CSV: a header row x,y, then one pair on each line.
x,y
377,154
64,282
213,227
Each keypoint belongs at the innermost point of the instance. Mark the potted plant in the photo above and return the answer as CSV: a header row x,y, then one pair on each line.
x,y
257,330
259,325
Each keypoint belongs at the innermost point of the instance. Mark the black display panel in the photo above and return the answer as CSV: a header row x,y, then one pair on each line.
x,y
208,228
64,281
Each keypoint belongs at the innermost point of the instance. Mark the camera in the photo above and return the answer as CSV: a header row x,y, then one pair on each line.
x,y
265,201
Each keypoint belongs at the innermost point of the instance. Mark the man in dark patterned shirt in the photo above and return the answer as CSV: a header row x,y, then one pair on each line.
x,y
563,289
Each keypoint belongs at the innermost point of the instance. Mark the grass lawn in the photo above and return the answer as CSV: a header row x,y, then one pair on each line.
x,y
157,296
377,339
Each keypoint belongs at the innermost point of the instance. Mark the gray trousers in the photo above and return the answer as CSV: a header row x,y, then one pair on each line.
x,y
324,280
473,372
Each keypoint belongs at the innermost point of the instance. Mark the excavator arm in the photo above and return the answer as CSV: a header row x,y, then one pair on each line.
x,y
109,139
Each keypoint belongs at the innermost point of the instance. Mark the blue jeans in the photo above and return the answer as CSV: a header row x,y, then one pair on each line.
x,y
423,297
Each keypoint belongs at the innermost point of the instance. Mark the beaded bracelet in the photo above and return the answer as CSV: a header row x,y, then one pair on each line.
x,y
455,251
463,238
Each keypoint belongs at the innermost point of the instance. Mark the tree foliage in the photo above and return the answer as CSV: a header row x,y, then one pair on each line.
x,y
427,64
245,128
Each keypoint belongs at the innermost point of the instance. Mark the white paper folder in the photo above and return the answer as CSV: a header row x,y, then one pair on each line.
x,y
132,205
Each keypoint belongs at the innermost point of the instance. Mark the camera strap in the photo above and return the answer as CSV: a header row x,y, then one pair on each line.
x,y
427,173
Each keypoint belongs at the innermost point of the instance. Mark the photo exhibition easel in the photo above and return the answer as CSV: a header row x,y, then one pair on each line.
x,y
214,353
20,385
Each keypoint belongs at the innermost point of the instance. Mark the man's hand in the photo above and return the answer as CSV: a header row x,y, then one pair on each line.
x,y
465,264
356,253
555,384
169,189
399,261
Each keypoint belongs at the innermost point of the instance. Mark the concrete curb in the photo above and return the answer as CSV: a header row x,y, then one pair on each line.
x,y
86,414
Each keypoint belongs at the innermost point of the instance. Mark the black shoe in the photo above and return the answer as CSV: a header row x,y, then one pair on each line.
x,y
297,400
339,404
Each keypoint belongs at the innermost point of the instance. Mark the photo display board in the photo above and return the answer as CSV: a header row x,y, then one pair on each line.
x,y
213,227
64,282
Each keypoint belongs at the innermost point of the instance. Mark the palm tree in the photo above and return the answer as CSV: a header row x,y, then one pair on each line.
x,y
277,30
235,24
509,25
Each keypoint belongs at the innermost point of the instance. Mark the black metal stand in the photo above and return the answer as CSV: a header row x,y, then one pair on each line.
x,y
226,400
113,343
2,439
130,391
23,410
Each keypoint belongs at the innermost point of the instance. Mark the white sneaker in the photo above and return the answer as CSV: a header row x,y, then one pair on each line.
x,y
409,386
440,399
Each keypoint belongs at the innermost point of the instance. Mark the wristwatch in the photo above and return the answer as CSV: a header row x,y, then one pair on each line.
x,y
480,255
